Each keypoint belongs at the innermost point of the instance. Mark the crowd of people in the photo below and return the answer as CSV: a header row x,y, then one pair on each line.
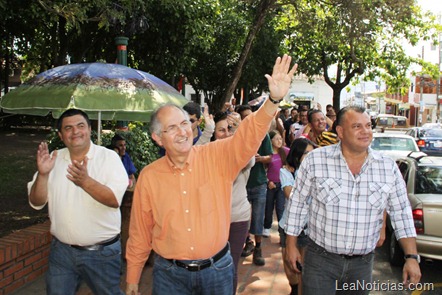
x,y
210,198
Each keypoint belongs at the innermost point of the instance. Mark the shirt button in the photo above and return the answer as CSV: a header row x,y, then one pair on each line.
x,y
191,248
182,174
190,170
189,229
187,211
184,192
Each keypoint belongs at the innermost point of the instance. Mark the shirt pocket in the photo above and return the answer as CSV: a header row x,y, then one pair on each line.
x,y
329,190
378,194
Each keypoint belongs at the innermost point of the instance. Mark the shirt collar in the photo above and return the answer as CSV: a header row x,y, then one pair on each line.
x,y
198,136
188,161
90,154
336,151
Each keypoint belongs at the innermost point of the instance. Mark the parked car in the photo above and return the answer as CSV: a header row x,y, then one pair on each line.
x,y
394,145
423,176
432,125
429,140
387,122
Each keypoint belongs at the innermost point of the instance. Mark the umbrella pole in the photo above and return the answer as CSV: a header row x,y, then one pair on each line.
x,y
99,129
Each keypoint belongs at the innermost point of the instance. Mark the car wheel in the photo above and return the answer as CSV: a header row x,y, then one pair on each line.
x,y
396,254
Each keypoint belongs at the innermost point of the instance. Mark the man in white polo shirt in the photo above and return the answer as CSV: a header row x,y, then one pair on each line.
x,y
83,185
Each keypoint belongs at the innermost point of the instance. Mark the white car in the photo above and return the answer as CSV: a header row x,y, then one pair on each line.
x,y
394,145
432,125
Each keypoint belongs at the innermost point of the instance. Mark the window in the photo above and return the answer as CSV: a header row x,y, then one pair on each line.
x,y
428,180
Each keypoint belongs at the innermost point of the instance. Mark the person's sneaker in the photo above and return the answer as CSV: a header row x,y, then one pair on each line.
x,y
248,249
266,233
257,257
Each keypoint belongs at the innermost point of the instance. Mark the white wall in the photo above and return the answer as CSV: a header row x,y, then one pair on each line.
x,y
322,93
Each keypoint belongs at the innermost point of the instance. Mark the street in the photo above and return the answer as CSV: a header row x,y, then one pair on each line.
x,y
388,277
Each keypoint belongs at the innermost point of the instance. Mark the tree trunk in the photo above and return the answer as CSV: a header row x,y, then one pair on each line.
x,y
261,12
60,59
338,85
8,59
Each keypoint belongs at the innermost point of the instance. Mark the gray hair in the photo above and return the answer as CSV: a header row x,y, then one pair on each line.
x,y
155,124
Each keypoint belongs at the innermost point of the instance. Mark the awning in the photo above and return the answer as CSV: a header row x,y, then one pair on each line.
x,y
393,101
404,106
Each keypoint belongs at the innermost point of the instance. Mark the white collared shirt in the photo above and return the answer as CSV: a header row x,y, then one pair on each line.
x,y
77,218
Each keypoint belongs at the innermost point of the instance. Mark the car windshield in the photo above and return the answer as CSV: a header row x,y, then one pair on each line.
x,y
430,133
393,144
392,121
428,180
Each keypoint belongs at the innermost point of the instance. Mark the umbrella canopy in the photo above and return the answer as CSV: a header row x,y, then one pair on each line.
x,y
103,91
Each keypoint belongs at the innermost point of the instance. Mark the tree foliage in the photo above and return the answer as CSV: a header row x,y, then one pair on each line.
x,y
220,46
343,40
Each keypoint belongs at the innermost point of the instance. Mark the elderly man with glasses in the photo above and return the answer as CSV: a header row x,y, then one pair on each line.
x,y
199,137
182,202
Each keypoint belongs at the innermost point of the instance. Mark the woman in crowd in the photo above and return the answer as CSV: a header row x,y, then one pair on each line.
x,y
299,148
225,126
274,198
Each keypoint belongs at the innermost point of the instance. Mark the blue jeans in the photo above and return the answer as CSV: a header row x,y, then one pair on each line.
x,y
324,272
274,200
68,267
257,197
168,278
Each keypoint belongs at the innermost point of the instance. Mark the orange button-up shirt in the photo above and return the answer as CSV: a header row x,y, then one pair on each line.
x,y
184,213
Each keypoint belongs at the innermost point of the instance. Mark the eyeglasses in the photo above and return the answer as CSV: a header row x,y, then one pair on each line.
x,y
174,129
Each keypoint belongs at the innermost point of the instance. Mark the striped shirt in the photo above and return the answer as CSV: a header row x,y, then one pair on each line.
x,y
346,210
327,138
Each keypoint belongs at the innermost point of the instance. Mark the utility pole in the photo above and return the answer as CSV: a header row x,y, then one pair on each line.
x,y
421,101
438,90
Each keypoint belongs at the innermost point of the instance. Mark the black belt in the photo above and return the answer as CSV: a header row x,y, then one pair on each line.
x,y
351,256
99,246
340,255
197,265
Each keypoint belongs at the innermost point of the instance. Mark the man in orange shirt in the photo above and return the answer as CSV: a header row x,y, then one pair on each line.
x,y
181,206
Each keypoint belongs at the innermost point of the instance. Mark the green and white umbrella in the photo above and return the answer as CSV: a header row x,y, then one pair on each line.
x,y
104,91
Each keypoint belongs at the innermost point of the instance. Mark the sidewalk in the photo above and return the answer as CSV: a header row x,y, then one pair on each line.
x,y
252,279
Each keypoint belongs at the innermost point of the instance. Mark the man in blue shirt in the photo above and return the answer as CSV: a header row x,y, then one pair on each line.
x,y
119,143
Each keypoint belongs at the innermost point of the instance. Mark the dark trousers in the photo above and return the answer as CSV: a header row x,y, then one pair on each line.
x,y
327,273
274,201
237,236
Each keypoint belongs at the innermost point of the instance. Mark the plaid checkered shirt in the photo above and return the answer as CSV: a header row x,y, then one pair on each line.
x,y
346,210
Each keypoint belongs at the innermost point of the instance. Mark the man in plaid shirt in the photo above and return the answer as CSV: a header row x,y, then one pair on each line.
x,y
342,191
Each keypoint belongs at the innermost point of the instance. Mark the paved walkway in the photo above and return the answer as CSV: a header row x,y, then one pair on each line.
x,y
252,279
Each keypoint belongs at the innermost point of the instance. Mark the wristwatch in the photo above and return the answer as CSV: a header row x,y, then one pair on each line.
x,y
413,256
275,101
